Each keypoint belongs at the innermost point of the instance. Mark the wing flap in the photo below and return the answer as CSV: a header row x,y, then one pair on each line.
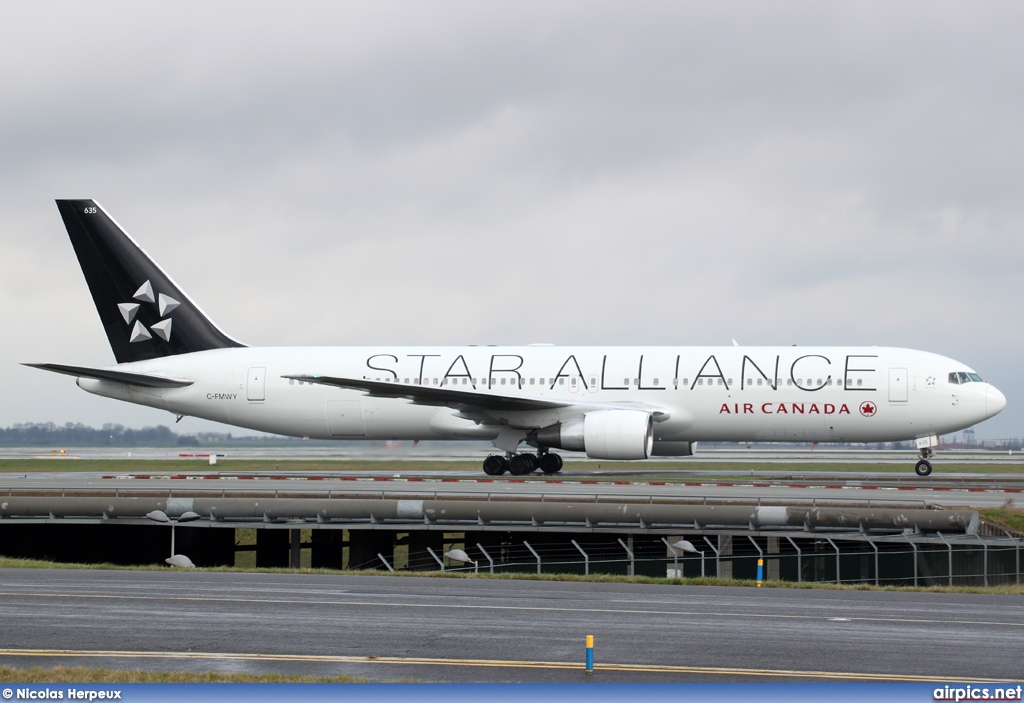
x,y
428,395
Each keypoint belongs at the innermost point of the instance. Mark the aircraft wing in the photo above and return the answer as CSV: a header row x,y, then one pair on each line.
x,y
132,379
469,400
440,396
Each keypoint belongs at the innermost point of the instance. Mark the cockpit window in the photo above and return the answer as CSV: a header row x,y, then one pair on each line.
x,y
953,378
975,377
964,378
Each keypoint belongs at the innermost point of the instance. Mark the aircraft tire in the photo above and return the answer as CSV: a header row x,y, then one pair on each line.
x,y
923,467
550,463
520,465
495,465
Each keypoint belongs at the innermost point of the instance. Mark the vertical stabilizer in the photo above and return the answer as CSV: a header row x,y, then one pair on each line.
x,y
143,311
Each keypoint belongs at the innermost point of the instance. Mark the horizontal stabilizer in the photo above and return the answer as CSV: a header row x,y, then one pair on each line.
x,y
132,379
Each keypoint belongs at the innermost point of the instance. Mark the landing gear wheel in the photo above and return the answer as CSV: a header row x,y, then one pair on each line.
x,y
923,467
495,465
550,463
521,464
532,460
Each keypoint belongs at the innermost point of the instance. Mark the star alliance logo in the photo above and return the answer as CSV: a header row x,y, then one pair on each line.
x,y
165,304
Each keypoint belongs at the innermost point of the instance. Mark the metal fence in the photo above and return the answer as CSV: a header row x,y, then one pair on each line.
x,y
887,561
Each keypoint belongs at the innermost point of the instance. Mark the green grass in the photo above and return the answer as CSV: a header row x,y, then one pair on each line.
x,y
6,562
583,470
1008,517
81,674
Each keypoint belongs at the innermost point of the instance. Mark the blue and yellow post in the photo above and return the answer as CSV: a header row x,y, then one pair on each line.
x,y
590,654
760,571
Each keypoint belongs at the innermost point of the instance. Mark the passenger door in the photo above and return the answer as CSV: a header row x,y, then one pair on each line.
x,y
897,385
256,386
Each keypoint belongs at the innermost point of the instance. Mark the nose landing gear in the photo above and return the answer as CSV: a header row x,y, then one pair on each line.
x,y
923,466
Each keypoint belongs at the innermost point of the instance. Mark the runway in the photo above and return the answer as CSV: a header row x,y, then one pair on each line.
x,y
441,629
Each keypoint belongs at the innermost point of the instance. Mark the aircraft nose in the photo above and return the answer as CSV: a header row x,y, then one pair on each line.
x,y
994,401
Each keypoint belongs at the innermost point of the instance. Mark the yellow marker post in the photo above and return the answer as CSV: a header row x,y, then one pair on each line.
x,y
760,571
590,654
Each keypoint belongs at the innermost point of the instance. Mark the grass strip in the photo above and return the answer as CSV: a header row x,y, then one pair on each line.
x,y
1009,589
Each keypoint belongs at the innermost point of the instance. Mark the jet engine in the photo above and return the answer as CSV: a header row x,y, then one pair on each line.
x,y
670,448
603,434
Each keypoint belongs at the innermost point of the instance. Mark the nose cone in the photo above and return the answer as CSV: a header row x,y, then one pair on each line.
x,y
994,401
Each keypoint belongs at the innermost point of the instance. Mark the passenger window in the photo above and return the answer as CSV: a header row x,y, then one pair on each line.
x,y
860,381
759,381
655,381
789,382
700,381
561,381
406,380
532,380
503,381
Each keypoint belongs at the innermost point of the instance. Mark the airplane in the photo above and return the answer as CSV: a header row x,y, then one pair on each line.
x,y
618,403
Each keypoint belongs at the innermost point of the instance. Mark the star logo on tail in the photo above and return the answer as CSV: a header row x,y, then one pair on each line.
x,y
164,304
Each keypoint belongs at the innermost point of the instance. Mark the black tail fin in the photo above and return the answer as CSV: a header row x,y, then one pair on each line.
x,y
144,313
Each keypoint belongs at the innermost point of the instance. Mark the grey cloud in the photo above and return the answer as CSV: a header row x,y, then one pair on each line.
x,y
579,173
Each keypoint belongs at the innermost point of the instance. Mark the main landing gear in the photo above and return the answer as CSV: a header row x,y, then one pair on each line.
x,y
522,464
923,466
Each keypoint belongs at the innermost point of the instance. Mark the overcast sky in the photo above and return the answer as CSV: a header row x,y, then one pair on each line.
x,y
576,173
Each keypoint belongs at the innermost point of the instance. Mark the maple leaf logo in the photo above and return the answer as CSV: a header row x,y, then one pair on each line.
x,y
164,305
868,409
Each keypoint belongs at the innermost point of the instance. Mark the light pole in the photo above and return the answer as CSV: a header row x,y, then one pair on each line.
x,y
188,516
688,547
459,555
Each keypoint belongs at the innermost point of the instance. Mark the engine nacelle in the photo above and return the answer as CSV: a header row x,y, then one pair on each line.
x,y
603,434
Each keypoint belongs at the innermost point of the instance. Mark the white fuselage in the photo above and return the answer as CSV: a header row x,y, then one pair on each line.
x,y
817,394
